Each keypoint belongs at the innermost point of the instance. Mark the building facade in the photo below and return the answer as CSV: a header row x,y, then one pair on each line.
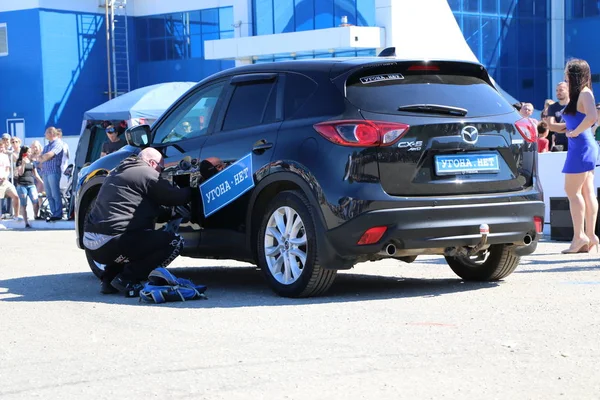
x,y
582,27
54,66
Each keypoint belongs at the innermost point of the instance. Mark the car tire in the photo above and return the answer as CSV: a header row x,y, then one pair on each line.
x,y
287,248
498,263
97,268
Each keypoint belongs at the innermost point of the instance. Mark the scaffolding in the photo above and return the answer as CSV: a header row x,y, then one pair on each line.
x,y
117,47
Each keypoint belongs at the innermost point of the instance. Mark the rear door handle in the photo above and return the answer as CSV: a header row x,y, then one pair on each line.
x,y
261,146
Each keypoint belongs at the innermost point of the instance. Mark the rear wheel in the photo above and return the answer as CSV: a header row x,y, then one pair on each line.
x,y
493,264
287,248
97,268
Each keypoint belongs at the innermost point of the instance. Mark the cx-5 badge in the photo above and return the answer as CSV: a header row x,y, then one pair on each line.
x,y
469,134
411,145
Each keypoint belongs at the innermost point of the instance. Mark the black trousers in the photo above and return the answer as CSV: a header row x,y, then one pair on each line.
x,y
135,254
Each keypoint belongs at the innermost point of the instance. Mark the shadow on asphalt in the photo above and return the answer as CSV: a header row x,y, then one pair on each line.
x,y
234,287
580,264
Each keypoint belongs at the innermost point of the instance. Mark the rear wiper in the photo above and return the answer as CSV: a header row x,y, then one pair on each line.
x,y
434,109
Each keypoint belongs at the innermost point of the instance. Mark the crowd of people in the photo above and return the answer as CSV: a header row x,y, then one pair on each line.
x,y
32,172
572,124
551,128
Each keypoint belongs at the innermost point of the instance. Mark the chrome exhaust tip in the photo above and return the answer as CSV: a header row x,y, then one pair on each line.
x,y
390,249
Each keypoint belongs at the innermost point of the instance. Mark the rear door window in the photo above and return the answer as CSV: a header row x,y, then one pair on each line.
x,y
251,104
387,91
298,89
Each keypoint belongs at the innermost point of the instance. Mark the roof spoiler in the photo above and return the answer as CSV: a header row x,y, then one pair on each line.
x,y
388,52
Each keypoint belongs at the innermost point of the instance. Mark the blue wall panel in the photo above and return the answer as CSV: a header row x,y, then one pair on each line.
x,y
192,70
21,72
73,48
170,50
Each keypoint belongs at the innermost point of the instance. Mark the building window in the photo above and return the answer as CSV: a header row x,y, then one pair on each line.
x,y
180,36
303,15
3,40
576,9
511,38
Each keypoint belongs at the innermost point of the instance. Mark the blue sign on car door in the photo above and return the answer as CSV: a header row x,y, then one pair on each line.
x,y
227,185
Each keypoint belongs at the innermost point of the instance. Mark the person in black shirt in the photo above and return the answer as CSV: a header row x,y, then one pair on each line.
x,y
119,231
113,143
554,118
26,176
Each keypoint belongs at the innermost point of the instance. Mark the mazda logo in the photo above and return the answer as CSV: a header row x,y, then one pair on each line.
x,y
469,134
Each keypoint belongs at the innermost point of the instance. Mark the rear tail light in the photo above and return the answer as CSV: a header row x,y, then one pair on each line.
x,y
372,235
527,129
361,133
539,224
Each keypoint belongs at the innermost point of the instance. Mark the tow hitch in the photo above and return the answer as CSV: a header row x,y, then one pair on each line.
x,y
484,231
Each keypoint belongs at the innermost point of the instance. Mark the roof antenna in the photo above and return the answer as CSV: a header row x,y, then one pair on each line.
x,y
388,52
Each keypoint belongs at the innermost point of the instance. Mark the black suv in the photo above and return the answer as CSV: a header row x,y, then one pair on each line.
x,y
353,160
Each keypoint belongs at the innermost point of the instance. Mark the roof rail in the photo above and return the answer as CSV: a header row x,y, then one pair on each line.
x,y
388,52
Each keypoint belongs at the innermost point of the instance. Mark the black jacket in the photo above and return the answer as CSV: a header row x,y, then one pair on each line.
x,y
131,197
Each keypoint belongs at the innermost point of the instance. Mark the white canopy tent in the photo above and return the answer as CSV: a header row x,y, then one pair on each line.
x,y
146,103
140,106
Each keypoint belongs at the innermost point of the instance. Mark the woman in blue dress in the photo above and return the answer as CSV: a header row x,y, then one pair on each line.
x,y
582,156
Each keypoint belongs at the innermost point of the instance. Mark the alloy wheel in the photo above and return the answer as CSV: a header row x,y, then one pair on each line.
x,y
286,245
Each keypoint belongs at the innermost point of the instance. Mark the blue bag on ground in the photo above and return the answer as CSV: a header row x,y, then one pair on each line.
x,y
163,286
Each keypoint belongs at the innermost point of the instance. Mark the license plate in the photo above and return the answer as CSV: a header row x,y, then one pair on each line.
x,y
459,164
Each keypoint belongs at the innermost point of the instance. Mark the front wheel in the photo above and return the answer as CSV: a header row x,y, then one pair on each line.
x,y
287,248
97,268
493,264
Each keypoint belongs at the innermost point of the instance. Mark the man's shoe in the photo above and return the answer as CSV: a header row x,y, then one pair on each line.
x,y
107,288
52,219
127,287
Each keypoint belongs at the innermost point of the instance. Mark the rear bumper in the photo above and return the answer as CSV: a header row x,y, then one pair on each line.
x,y
439,227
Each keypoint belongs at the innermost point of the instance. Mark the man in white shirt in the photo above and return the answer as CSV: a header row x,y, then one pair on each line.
x,y
64,180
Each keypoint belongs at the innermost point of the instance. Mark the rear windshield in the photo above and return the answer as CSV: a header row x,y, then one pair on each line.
x,y
385,93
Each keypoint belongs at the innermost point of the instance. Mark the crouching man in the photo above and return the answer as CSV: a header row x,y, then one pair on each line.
x,y
119,231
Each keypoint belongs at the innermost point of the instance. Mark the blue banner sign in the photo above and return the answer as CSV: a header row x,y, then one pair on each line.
x,y
466,164
227,185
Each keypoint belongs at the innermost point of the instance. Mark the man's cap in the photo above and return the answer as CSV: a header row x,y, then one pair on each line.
x,y
5,136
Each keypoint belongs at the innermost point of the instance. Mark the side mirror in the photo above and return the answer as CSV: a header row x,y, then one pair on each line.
x,y
138,136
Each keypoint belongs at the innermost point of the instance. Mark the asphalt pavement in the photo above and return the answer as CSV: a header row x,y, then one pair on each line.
x,y
385,330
